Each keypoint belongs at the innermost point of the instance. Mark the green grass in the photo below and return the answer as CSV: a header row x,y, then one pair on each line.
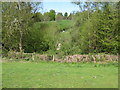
x,y
59,75
61,24
65,24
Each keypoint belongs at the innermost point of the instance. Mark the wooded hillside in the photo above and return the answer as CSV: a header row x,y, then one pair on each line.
x,y
94,29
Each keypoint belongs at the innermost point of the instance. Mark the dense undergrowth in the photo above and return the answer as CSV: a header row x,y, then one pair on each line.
x,y
90,31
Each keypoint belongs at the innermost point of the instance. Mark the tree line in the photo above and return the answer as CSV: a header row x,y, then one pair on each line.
x,y
94,29
52,16
98,25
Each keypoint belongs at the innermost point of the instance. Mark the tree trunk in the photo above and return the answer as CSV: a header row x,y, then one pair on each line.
x,y
20,39
20,43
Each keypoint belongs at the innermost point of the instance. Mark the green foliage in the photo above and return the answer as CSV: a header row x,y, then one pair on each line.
x,y
64,25
93,30
49,16
52,15
46,16
16,19
98,32
38,17
44,36
35,40
66,14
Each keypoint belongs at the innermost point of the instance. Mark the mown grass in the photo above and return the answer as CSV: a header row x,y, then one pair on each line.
x,y
59,75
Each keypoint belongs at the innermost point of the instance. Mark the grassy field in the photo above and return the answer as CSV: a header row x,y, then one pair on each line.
x,y
61,24
59,75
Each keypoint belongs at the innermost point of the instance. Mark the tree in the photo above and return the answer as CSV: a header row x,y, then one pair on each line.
x,y
46,16
79,3
65,15
100,27
16,22
108,30
38,17
52,15
35,41
36,6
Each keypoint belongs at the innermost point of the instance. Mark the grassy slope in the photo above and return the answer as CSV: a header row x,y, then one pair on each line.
x,y
57,75
65,24
61,24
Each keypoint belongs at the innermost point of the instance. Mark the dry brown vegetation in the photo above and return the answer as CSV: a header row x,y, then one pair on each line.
x,y
69,58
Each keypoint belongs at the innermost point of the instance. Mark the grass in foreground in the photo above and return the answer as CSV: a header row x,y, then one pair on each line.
x,y
59,75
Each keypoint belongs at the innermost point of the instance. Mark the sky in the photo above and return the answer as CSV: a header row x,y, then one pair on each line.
x,y
59,7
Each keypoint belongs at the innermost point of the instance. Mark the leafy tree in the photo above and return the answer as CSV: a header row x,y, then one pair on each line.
x,y
35,41
95,29
99,27
65,15
108,33
38,17
16,22
52,15
46,16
